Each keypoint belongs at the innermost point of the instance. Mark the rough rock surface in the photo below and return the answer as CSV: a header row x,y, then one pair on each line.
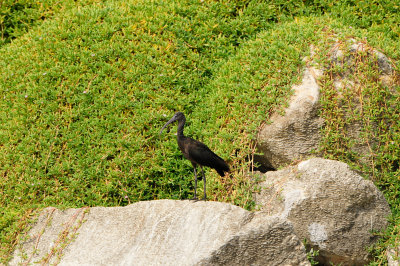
x,y
163,232
331,206
393,256
296,134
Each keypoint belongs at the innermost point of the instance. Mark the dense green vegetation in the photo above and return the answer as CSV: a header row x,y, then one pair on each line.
x,y
18,16
86,86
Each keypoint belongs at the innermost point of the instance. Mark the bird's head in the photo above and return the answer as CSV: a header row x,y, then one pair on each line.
x,y
179,116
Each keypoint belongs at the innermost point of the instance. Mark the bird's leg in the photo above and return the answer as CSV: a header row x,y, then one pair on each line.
x,y
204,183
195,182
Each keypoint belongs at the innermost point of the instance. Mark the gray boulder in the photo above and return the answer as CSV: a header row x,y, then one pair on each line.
x,y
330,206
163,232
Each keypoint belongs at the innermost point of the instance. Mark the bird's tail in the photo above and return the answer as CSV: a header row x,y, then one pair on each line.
x,y
222,168
214,161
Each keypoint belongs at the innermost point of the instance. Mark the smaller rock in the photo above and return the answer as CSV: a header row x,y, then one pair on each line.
x,y
330,206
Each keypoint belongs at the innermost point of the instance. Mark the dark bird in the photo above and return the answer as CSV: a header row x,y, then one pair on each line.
x,y
196,152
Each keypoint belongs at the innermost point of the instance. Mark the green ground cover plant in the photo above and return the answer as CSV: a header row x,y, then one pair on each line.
x,y
18,16
86,90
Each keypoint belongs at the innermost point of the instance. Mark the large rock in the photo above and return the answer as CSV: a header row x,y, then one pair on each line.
x,y
330,206
163,232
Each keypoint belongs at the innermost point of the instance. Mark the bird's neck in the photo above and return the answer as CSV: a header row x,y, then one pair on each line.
x,y
181,125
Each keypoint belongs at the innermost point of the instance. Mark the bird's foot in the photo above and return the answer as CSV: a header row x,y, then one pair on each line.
x,y
195,199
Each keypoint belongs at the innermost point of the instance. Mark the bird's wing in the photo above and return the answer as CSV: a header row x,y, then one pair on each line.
x,y
202,155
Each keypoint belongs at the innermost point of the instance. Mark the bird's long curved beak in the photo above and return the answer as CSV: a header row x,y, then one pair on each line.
x,y
173,119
